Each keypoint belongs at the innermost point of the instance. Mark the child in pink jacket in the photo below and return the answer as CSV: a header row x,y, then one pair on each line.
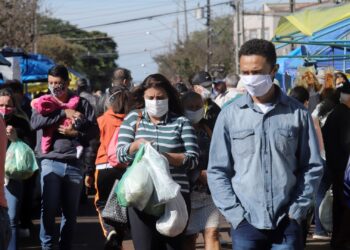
x,y
47,104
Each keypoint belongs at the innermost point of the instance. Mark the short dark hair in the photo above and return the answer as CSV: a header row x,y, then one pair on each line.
x,y
121,74
260,47
119,99
59,71
190,96
300,93
160,81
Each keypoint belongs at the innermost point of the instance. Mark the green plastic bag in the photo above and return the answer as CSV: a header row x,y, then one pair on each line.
x,y
20,161
120,189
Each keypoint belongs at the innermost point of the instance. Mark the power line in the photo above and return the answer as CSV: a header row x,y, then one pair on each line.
x,y
130,20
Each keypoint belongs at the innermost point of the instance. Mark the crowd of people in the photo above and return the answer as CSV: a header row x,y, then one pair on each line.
x,y
240,148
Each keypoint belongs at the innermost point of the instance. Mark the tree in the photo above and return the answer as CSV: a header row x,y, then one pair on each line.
x,y
91,53
190,56
17,23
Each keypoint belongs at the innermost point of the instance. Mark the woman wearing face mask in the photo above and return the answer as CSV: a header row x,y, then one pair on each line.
x,y
17,128
204,217
173,136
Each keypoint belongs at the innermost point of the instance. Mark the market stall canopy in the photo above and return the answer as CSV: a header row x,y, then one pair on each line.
x,y
34,67
3,61
309,21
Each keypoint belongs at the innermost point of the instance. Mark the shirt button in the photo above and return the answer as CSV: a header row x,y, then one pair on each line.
x,y
267,190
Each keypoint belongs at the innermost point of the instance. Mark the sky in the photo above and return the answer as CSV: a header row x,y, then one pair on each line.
x,y
138,42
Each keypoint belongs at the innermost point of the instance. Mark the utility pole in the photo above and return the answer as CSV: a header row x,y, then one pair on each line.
x,y
242,16
238,34
186,24
234,49
35,27
263,23
292,9
292,6
208,37
177,30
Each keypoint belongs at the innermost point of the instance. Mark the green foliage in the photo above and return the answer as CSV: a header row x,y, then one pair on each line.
x,y
90,53
191,56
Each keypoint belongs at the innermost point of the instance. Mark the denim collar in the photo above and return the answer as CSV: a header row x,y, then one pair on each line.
x,y
247,101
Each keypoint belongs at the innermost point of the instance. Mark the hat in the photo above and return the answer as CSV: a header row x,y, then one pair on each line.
x,y
217,81
344,88
202,78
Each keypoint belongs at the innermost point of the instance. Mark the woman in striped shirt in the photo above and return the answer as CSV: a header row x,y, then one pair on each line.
x,y
172,135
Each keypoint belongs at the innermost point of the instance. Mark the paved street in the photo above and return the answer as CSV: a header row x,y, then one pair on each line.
x,y
89,236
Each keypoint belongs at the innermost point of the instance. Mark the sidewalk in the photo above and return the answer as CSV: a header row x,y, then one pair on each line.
x,y
89,235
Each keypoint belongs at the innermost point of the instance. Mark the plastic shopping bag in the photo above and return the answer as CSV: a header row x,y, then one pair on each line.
x,y
20,161
326,211
135,188
158,167
174,220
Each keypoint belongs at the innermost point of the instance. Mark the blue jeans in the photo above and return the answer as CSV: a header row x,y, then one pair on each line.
x,y
5,229
61,184
321,192
287,236
13,193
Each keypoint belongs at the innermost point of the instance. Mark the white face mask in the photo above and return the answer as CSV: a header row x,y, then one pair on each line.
x,y
157,108
195,116
257,85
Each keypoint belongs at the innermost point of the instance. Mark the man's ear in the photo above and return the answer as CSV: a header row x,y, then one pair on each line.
x,y
275,69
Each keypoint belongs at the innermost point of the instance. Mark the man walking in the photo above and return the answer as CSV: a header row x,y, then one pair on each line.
x,y
264,165
61,167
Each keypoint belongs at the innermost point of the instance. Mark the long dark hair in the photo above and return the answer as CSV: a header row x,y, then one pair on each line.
x,y
119,99
160,81
330,100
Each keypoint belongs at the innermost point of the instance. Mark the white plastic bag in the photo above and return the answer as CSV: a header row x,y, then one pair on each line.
x,y
158,167
138,185
174,220
326,211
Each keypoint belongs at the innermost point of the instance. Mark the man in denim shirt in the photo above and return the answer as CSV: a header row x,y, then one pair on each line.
x,y
264,165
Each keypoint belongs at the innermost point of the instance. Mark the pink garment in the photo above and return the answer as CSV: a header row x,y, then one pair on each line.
x,y
3,145
47,104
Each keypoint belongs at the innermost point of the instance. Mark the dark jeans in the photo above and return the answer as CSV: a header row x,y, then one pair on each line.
x,y
145,235
341,214
287,236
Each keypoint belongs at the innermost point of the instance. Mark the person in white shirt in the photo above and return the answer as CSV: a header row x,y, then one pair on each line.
x,y
227,89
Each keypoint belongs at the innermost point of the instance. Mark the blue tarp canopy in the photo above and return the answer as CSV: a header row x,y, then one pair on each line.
x,y
34,67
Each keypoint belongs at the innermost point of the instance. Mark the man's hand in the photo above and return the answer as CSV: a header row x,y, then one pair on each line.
x,y
68,131
11,133
70,113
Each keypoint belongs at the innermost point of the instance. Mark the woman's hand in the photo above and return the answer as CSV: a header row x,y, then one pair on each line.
x,y
11,133
89,181
136,145
203,179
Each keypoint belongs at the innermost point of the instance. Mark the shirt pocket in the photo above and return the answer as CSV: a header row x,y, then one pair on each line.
x,y
286,140
243,142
